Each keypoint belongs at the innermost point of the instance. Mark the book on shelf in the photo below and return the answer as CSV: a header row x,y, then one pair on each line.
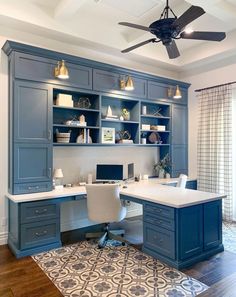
x,y
111,118
126,141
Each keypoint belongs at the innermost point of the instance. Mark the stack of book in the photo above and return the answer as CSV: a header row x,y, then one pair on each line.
x,y
111,117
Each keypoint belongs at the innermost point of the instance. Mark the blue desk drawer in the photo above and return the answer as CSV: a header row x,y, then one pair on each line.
x,y
159,221
158,210
40,233
28,188
159,240
39,210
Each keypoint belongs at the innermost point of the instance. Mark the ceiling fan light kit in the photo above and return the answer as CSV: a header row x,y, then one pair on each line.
x,y
168,29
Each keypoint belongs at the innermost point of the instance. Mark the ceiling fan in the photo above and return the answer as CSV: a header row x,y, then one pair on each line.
x,y
167,29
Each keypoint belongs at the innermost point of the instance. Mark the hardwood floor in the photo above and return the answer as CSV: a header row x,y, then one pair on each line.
x,y
23,278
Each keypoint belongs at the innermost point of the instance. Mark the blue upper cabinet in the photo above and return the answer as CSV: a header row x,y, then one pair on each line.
x,y
107,81
179,148
32,112
165,91
42,69
179,124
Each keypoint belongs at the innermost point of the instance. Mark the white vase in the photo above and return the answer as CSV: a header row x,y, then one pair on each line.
x,y
167,175
161,173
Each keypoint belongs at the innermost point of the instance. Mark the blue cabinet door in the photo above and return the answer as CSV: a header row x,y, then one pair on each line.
x,y
32,163
190,231
179,124
105,81
41,69
32,112
212,224
179,155
179,148
161,91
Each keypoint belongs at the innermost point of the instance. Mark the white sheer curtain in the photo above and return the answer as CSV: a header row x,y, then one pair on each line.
x,y
215,170
234,151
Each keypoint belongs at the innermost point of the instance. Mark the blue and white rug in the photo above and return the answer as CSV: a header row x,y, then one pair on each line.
x,y
83,270
229,236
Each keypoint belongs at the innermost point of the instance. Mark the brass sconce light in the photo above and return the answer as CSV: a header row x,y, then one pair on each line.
x,y
127,84
176,95
61,71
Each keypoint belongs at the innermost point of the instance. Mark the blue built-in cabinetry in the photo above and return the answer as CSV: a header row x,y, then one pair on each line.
x,y
179,148
182,236
31,144
35,118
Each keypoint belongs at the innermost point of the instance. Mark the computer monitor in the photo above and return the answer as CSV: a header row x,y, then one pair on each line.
x,y
130,171
109,172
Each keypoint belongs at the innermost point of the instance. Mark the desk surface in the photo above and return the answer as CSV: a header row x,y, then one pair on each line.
x,y
152,190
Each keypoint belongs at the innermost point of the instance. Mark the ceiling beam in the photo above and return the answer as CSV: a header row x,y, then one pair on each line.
x,y
220,9
67,8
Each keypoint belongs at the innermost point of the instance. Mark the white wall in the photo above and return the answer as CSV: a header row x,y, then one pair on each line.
x,y
214,77
73,161
76,163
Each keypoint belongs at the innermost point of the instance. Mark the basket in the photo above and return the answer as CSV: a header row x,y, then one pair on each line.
x,y
63,137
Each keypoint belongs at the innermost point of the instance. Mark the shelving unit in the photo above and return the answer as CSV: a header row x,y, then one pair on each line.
x,y
96,114
156,114
62,114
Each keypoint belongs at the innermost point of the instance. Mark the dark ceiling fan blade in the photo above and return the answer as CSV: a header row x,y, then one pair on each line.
x,y
172,50
135,26
211,36
138,45
188,16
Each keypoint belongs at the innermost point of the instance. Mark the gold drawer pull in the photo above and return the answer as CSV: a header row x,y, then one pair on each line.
x,y
41,233
37,211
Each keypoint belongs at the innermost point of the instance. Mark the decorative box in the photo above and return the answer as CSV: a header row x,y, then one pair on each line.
x,y
161,128
145,127
64,100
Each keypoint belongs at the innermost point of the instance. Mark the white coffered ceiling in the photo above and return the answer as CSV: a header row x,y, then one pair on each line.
x,y
94,24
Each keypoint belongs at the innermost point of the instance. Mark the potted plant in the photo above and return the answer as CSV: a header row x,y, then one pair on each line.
x,y
162,168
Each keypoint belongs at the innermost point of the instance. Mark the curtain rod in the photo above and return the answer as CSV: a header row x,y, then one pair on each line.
x,y
230,83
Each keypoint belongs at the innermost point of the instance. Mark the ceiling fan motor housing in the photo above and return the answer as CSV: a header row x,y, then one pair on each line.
x,y
164,31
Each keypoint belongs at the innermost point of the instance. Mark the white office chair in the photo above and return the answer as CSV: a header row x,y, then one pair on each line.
x,y
104,206
182,181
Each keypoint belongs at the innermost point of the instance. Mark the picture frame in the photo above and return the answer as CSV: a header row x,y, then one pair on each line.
x,y
108,135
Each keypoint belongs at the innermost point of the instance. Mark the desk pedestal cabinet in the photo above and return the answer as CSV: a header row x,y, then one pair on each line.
x,y
182,236
176,236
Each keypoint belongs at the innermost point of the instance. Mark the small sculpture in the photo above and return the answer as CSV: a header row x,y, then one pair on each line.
x,y
82,119
109,111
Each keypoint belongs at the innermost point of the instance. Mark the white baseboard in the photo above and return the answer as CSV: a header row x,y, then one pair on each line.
x,y
3,238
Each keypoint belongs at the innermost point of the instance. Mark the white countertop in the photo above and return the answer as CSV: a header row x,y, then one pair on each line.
x,y
152,190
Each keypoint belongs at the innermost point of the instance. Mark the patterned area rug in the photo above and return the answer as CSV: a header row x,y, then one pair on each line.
x,y
229,236
83,270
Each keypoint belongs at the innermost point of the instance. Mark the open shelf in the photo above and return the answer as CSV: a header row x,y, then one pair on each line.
x,y
155,131
119,121
75,127
154,117
76,108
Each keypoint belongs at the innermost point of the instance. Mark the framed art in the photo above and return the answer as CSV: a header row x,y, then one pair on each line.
x,y
108,135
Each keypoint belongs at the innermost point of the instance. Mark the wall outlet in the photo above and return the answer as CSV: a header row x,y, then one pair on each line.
x,y
4,222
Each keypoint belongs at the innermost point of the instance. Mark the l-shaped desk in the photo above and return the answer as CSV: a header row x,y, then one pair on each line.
x,y
180,226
